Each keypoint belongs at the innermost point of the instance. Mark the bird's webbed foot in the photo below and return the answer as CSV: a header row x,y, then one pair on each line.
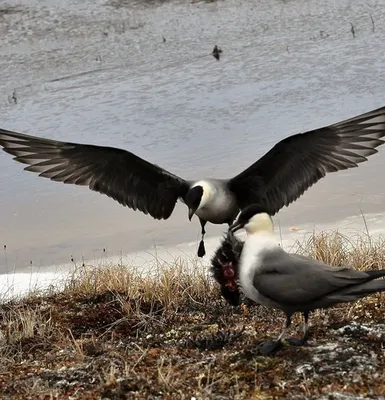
x,y
295,341
269,347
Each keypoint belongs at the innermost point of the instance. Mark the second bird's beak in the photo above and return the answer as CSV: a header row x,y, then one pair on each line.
x,y
191,212
235,226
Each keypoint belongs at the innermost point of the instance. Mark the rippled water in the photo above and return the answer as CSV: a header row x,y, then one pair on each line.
x,y
92,72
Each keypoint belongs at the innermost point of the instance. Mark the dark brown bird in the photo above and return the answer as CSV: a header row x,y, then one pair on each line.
x,y
277,179
216,52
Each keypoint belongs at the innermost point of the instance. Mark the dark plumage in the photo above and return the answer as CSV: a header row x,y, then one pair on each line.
x,y
216,52
228,253
119,174
275,180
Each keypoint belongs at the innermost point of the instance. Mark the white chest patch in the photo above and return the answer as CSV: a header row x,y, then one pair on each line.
x,y
209,192
216,205
251,261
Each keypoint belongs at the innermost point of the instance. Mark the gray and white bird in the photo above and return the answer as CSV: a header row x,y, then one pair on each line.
x,y
292,283
277,179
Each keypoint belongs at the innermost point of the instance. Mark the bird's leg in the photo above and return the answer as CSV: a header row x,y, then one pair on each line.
x,y
270,346
304,338
201,248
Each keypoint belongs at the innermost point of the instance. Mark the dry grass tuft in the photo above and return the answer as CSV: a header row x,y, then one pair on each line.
x,y
334,248
172,285
24,323
164,332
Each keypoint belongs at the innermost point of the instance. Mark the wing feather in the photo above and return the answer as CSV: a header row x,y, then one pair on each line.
x,y
119,174
291,280
294,164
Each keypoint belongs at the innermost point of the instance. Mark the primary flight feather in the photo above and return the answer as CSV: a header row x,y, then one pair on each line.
x,y
277,179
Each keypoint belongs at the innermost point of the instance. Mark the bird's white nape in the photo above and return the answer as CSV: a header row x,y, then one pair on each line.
x,y
260,222
208,192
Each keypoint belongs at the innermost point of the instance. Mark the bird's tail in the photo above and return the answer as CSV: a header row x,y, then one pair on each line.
x,y
358,291
374,274
229,251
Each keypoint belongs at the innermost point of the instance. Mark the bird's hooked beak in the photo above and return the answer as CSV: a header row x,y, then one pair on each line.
x,y
191,213
236,226
231,236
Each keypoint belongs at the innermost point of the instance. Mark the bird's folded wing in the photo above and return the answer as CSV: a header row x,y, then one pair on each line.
x,y
291,279
297,162
119,174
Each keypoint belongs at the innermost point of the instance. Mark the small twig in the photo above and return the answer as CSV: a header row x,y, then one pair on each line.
x,y
13,98
5,258
373,26
142,356
76,344
366,228
280,233
353,30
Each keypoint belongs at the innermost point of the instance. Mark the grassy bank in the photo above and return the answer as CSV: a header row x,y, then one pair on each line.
x,y
115,333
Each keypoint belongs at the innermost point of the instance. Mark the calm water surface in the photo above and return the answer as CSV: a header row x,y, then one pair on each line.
x,y
91,72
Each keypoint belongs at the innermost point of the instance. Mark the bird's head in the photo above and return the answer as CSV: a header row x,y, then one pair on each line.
x,y
254,218
199,196
193,200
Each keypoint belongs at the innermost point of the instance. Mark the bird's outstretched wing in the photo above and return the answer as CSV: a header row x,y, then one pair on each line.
x,y
119,174
297,162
